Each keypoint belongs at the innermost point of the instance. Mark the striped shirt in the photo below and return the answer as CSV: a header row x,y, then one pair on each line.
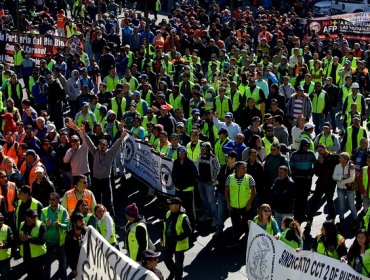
x,y
252,183
298,107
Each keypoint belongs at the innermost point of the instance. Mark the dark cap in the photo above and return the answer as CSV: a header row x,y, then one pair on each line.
x,y
174,200
30,213
132,210
26,189
222,131
75,138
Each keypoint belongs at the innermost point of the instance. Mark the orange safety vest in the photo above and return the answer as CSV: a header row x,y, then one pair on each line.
x,y
72,200
10,197
11,152
21,137
32,175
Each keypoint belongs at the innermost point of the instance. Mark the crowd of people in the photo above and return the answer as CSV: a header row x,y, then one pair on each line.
x,y
248,102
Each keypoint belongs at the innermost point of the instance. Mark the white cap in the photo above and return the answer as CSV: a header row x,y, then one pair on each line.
x,y
39,169
50,128
355,85
308,126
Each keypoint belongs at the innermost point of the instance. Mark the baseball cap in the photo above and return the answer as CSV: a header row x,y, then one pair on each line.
x,y
174,200
180,124
326,124
356,117
308,126
195,112
347,62
228,115
74,138
300,88
103,141
85,104
222,131
30,213
144,76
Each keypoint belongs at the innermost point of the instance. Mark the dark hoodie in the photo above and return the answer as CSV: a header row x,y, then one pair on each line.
x,y
171,234
184,174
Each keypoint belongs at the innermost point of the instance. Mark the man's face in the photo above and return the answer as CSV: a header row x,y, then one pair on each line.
x,y
282,173
239,139
31,221
75,144
253,157
80,224
321,151
29,159
53,200
3,179
39,175
102,147
275,151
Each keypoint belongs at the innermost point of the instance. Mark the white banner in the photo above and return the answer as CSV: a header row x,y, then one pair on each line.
x,y
268,259
148,167
99,260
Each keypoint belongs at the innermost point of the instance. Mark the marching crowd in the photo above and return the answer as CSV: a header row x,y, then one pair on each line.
x,y
248,103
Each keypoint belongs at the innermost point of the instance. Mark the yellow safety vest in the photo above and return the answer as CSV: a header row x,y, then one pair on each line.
x,y
318,103
133,246
176,102
222,107
360,135
365,180
291,243
115,105
5,253
34,203
218,150
330,253
239,194
268,225
193,154
36,250
111,82
102,229
89,119
357,101
62,232
347,91
267,144
18,58
327,141
181,245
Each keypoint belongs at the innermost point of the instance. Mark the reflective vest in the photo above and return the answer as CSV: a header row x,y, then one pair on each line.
x,y
236,100
268,225
88,118
72,200
291,243
168,67
316,73
193,154
35,249
267,144
328,141
6,252
33,206
132,244
148,96
32,174
18,58
31,82
357,100
360,135
139,107
111,82
69,31
318,103
206,131
115,128
222,107
10,196
331,252
327,73
18,91
308,137
132,82
114,104
145,121
176,102
10,152
102,228
239,194
255,94
50,65
347,91
365,180
367,219
311,88
219,152
181,245
353,62
62,232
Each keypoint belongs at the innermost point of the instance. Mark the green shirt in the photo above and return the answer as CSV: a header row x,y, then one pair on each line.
x,y
52,232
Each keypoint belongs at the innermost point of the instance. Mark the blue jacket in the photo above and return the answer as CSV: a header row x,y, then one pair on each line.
x,y
232,146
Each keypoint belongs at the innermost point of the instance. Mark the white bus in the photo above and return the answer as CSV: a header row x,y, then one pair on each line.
x,y
325,8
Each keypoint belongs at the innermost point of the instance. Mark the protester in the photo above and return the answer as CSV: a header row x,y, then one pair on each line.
x,y
149,260
291,233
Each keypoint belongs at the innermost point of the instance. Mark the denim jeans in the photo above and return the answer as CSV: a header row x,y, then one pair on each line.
x,y
280,216
207,196
332,116
221,211
346,199
318,120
